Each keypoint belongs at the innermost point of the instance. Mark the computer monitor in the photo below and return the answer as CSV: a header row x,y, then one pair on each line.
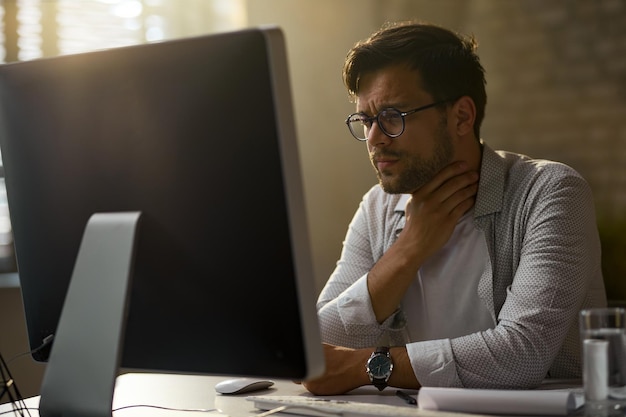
x,y
196,138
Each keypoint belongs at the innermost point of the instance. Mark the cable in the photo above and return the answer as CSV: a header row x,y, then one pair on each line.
x,y
125,407
10,386
19,406
162,407
46,341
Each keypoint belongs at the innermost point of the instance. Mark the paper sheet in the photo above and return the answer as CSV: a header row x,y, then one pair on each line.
x,y
519,402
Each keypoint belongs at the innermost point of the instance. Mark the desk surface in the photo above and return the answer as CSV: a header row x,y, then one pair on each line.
x,y
197,392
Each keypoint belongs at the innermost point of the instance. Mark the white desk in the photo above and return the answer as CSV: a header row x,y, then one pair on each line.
x,y
197,392
188,392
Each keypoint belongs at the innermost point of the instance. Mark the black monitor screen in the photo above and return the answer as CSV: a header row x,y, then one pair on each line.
x,y
198,135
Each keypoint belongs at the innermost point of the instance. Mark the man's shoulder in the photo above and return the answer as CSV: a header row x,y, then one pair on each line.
x,y
519,166
509,179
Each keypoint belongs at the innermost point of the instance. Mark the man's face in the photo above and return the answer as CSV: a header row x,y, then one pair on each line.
x,y
405,163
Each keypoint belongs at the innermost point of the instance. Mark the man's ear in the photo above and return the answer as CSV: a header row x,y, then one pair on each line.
x,y
464,111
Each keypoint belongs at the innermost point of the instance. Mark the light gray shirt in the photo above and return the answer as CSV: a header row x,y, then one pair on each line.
x,y
539,226
443,301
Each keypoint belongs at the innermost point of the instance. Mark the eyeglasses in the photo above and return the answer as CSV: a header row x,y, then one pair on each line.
x,y
390,121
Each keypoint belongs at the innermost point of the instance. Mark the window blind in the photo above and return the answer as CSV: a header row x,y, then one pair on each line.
x,y
31,29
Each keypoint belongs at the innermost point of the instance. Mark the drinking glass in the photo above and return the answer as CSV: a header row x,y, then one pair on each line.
x,y
603,334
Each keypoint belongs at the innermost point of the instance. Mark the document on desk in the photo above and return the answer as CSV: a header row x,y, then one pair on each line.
x,y
502,402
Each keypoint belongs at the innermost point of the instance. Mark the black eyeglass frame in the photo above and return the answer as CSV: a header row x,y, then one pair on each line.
x,y
403,114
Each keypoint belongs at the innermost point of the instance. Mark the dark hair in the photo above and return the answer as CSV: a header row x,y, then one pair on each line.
x,y
446,61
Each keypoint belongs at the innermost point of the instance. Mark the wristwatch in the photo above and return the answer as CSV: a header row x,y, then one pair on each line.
x,y
379,367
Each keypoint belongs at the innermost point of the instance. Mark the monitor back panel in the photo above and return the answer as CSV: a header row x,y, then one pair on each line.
x,y
188,132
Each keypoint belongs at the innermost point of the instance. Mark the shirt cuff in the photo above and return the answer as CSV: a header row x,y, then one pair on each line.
x,y
433,363
355,307
356,311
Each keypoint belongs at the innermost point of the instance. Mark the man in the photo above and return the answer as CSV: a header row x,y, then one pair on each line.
x,y
463,267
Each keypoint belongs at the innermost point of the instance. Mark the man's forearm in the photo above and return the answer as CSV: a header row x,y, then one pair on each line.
x,y
390,278
402,375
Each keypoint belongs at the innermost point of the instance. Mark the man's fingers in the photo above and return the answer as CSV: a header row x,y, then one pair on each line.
x,y
460,196
463,200
448,194
447,181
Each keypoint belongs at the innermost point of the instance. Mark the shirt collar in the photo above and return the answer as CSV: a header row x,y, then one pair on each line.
x,y
490,188
401,204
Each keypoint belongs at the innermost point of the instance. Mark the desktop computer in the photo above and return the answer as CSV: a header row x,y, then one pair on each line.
x,y
156,199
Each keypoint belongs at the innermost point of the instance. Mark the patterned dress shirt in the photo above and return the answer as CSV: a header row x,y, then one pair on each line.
x,y
538,220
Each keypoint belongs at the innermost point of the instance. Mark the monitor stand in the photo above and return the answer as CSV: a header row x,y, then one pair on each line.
x,y
85,357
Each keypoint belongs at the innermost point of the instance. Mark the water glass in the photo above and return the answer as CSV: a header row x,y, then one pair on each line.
x,y
603,334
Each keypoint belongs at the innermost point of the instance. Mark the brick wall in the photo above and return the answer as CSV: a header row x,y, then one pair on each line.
x,y
557,86
556,74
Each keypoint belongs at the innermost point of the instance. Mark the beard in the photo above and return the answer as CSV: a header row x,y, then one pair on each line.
x,y
419,170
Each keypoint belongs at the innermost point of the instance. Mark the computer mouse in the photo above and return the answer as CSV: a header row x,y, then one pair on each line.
x,y
242,385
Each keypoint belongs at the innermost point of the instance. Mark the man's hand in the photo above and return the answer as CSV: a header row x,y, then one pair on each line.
x,y
345,371
434,209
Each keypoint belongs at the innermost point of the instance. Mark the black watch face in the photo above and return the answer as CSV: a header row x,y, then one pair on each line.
x,y
380,366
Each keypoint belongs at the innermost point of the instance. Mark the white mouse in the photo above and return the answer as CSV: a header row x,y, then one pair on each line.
x,y
241,385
